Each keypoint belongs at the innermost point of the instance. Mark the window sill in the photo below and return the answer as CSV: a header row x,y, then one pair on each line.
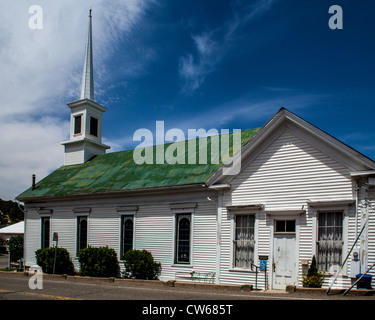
x,y
242,270
182,265
331,274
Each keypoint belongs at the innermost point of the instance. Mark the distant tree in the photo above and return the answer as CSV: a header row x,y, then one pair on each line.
x,y
15,248
4,219
10,212
3,242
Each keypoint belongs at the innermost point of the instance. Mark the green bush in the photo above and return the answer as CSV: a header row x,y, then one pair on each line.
x,y
98,262
140,264
45,259
15,247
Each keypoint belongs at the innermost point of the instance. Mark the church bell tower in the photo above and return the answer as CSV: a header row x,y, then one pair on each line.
x,y
86,116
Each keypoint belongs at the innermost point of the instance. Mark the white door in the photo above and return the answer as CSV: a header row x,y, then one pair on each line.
x,y
284,250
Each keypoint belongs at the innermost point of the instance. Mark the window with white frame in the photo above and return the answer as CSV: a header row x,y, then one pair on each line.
x,y
127,230
82,227
244,240
330,239
45,234
183,238
77,124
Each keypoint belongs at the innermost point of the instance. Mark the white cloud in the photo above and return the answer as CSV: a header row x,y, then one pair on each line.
x,y
211,46
41,71
192,71
29,149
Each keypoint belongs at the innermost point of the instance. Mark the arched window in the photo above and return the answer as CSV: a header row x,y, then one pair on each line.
x,y
183,238
45,232
126,234
81,233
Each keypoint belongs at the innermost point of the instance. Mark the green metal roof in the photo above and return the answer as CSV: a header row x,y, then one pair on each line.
x,y
117,171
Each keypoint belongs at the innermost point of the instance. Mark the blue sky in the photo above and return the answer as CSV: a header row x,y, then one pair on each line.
x,y
233,64
193,64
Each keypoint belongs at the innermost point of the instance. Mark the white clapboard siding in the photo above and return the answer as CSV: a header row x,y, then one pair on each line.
x,y
204,238
104,224
32,236
287,174
155,232
63,222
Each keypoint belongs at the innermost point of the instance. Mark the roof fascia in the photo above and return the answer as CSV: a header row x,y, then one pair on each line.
x,y
113,194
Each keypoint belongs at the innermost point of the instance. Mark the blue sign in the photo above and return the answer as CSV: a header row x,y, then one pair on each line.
x,y
262,264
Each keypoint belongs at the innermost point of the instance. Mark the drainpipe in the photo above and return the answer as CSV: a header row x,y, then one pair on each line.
x,y
220,193
218,244
356,209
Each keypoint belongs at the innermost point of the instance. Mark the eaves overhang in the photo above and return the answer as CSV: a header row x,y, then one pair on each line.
x,y
112,194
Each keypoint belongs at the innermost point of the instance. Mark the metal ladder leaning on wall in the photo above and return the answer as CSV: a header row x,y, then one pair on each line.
x,y
347,257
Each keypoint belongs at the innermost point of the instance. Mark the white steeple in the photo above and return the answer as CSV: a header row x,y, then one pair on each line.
x,y
87,89
86,116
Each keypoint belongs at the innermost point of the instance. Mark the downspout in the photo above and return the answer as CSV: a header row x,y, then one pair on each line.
x,y
356,209
220,192
218,236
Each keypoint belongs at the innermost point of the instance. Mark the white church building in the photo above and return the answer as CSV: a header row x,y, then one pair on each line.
x,y
299,193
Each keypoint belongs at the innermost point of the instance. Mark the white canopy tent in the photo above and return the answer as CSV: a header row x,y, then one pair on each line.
x,y
13,230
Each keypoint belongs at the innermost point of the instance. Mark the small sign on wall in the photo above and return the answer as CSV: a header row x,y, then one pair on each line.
x,y
263,262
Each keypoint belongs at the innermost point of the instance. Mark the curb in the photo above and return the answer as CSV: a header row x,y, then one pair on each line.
x,y
353,292
194,285
135,282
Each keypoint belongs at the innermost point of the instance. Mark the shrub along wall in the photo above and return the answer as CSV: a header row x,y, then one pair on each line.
x,y
98,262
140,264
45,258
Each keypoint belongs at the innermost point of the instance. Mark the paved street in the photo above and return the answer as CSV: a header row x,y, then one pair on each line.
x,y
16,287
145,299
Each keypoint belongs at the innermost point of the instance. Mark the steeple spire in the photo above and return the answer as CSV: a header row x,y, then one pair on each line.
x,y
86,116
87,89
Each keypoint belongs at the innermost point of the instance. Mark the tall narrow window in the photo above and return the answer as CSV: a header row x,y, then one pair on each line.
x,y
81,232
127,229
45,232
94,126
183,226
330,240
244,242
77,124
